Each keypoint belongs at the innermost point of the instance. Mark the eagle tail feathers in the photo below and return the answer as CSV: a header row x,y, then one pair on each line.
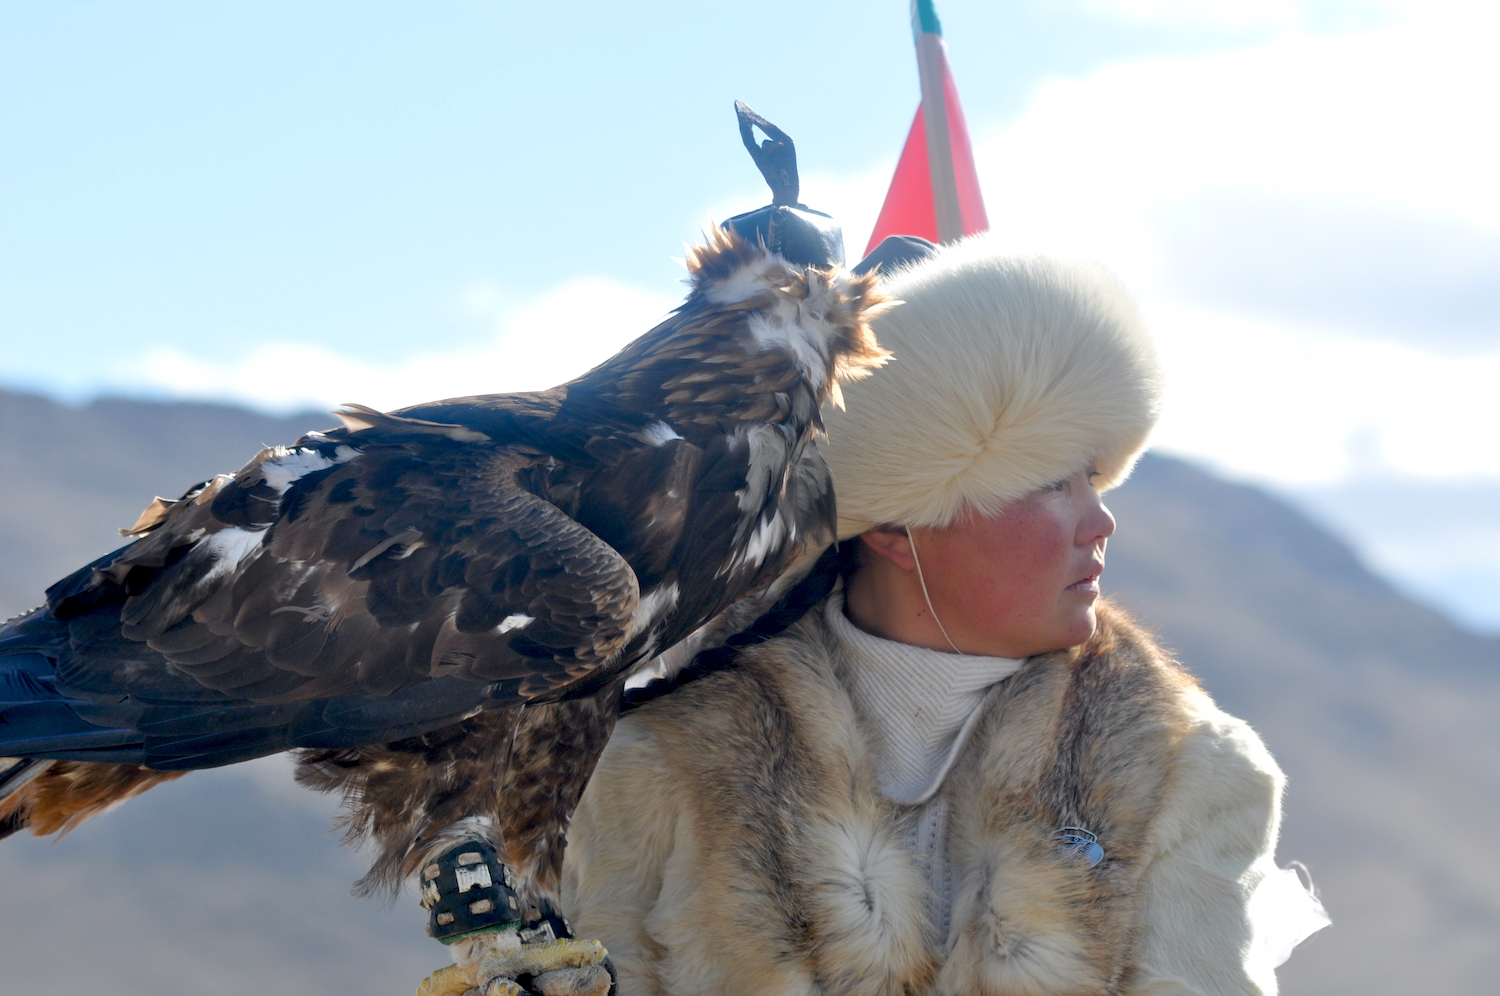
x,y
55,797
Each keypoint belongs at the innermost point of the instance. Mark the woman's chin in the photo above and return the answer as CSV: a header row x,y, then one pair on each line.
x,y
1082,626
1075,629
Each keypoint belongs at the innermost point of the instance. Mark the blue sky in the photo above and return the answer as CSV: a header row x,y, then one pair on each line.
x,y
286,204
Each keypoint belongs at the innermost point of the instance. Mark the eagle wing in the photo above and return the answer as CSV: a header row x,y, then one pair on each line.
x,y
363,585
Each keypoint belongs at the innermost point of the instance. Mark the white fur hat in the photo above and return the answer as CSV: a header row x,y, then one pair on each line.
x,y
1010,373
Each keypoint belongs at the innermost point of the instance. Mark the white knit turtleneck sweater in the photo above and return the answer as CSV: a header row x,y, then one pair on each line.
x,y
923,705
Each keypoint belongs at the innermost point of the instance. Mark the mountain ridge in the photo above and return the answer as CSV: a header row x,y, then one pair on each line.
x,y
1380,710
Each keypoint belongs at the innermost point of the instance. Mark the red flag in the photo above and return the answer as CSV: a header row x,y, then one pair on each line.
x,y
934,196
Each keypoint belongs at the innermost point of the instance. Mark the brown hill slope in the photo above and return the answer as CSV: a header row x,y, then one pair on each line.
x,y
73,476
1382,713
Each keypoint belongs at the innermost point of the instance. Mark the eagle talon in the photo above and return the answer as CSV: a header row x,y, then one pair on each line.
x,y
595,980
450,980
539,959
566,967
502,987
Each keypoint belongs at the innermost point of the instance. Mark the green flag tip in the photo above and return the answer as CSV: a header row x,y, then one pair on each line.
x,y
924,19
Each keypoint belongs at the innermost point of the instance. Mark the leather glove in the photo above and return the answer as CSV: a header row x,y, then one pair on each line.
x,y
565,967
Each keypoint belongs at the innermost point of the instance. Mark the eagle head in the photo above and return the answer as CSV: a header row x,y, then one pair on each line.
x,y
819,316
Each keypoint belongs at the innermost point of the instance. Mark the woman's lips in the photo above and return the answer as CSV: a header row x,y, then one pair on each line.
x,y
1089,585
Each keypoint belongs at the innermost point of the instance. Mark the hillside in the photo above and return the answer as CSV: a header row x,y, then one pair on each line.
x,y
1382,713
74,476
1380,710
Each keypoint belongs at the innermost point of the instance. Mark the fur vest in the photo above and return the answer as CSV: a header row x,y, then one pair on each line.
x,y
733,840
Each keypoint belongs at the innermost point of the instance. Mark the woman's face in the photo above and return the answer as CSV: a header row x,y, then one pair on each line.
x,y
1023,581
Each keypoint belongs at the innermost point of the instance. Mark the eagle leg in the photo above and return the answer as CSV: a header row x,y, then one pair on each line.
x,y
499,944
468,890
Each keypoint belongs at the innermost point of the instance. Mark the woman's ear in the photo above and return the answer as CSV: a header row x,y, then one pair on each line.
x,y
891,543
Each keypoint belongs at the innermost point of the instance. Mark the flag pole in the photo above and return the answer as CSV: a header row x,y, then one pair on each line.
x,y
934,192
927,32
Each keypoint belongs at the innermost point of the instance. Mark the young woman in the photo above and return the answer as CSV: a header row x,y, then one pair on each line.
x,y
959,771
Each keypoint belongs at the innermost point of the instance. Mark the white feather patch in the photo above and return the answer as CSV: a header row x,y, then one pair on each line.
x,y
768,452
518,620
795,325
791,328
653,605
768,536
228,547
658,434
750,280
288,465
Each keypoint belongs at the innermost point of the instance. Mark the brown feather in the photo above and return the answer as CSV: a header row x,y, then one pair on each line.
x,y
523,767
69,792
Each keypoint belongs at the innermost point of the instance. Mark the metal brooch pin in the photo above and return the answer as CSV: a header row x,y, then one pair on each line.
x,y
1082,842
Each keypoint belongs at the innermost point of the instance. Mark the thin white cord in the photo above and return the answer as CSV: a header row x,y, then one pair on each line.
x,y
515,731
923,582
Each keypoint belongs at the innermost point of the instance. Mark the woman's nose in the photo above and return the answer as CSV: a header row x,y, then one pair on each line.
x,y
1098,523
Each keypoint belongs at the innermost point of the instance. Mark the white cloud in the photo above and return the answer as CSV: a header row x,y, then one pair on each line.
x,y
548,340
535,344
1394,120
1380,122
1297,406
1389,118
1280,14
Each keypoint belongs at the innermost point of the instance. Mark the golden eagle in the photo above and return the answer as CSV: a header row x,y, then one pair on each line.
x,y
438,607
